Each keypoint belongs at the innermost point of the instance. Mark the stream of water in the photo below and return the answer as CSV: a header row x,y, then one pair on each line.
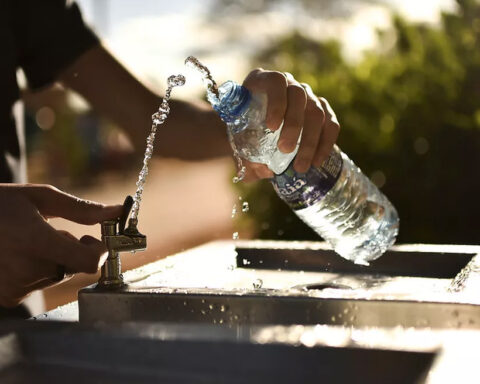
x,y
158,118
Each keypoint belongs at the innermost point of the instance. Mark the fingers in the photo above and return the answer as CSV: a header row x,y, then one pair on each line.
x,y
286,100
294,117
86,255
329,134
22,275
32,250
51,202
320,132
38,274
314,118
274,85
302,113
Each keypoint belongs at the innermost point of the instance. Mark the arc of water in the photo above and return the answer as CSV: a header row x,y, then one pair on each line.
x,y
158,118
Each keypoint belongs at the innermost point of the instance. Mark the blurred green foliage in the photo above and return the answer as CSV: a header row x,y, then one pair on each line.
x,y
321,8
410,118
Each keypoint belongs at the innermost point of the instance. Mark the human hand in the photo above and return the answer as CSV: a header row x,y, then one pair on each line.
x,y
298,108
32,250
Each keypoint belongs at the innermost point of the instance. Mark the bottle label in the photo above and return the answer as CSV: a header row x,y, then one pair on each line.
x,y
301,190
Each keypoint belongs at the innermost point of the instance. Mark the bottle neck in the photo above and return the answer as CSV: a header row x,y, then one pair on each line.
x,y
232,102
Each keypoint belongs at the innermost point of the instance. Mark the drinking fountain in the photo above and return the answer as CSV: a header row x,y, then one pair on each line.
x,y
118,239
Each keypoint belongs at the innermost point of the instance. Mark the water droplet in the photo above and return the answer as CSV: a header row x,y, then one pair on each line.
x,y
210,306
164,108
258,283
222,308
240,176
245,206
234,210
176,81
235,236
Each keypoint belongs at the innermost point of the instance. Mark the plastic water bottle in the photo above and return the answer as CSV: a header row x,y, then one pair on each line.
x,y
336,200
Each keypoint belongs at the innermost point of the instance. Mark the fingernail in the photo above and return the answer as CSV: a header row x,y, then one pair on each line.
x,y
286,146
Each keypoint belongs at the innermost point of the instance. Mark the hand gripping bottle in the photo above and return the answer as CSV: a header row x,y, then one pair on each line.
x,y
336,199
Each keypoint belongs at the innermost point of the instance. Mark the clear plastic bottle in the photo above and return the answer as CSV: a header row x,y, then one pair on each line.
x,y
336,200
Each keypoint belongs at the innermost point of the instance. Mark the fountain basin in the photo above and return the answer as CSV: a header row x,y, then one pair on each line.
x,y
287,283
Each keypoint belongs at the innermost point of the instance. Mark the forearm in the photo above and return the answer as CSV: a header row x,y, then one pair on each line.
x,y
192,131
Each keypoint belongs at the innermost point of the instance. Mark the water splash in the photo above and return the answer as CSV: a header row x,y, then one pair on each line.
x,y
240,175
258,283
213,98
212,89
158,118
466,277
241,169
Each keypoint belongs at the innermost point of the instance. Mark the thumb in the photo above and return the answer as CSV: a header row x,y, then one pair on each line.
x,y
52,202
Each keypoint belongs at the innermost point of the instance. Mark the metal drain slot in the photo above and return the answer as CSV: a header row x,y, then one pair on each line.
x,y
321,286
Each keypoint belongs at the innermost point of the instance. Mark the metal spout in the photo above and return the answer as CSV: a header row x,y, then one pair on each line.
x,y
118,239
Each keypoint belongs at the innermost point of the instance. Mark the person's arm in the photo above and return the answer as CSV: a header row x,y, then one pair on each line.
x,y
193,130
66,49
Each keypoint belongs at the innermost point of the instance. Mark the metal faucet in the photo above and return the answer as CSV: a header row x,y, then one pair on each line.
x,y
118,239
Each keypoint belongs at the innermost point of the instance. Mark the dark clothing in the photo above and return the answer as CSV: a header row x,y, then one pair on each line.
x,y
43,38
20,312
